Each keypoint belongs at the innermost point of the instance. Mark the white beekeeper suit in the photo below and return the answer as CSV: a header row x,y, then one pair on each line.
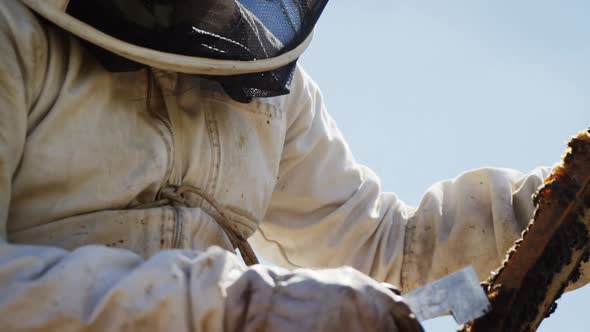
x,y
88,242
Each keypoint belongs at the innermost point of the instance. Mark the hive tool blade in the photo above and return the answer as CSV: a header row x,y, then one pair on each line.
x,y
459,293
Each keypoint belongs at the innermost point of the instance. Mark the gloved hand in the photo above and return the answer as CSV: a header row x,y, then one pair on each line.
x,y
273,299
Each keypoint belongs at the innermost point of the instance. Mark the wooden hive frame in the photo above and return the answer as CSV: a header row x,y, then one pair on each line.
x,y
541,264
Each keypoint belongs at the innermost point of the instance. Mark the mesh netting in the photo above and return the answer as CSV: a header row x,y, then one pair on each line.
x,y
245,30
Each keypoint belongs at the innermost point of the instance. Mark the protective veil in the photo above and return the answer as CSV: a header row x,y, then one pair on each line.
x,y
246,30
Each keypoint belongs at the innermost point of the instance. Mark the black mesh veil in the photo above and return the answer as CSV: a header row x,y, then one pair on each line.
x,y
242,30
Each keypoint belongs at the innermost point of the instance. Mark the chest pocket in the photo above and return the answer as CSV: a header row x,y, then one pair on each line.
x,y
246,142
251,139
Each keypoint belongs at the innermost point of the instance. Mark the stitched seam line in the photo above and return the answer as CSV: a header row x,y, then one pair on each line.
x,y
408,248
161,121
177,233
212,149
162,223
215,150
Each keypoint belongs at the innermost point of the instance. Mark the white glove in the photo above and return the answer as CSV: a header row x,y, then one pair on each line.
x,y
273,299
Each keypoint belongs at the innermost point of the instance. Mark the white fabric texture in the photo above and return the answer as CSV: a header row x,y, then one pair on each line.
x,y
85,152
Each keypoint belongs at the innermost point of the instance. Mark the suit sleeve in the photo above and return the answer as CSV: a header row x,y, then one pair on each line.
x,y
328,210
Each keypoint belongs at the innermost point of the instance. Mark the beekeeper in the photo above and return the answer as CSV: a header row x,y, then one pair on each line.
x,y
143,142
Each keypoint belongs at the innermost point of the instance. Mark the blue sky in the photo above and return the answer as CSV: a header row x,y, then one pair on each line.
x,y
424,90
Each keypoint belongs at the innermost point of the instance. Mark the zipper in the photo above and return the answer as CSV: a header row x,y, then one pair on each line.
x,y
178,229
167,122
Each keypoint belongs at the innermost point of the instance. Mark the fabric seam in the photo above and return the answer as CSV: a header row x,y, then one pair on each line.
x,y
213,132
153,114
408,249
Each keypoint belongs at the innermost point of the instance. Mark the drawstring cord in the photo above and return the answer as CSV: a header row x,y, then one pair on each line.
x,y
177,196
